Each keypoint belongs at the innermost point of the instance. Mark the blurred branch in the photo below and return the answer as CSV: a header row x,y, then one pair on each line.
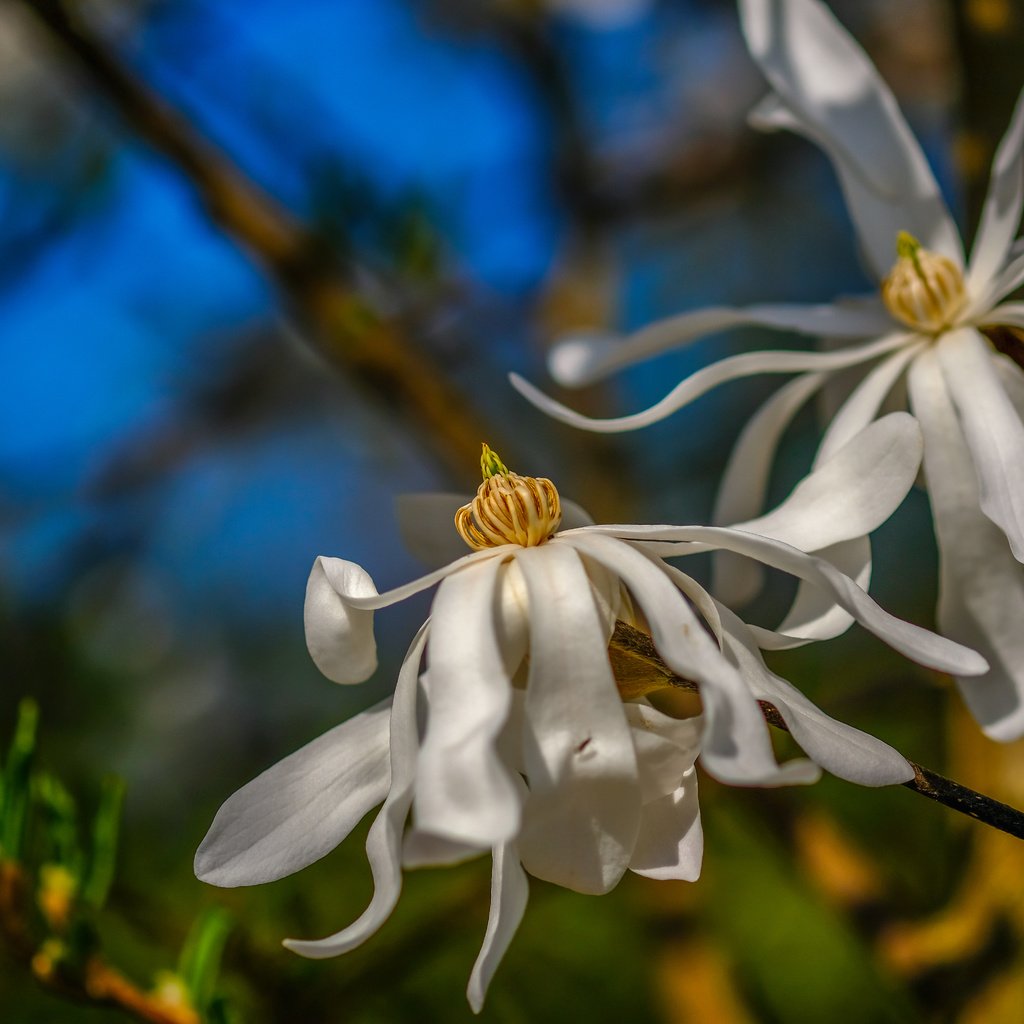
x,y
320,290
633,650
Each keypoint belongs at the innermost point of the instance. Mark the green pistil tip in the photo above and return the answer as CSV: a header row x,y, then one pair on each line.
x,y
490,464
907,246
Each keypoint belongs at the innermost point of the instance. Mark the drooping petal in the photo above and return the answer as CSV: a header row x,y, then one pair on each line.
x,y
735,745
510,890
746,364
741,494
1000,216
814,615
850,494
1009,313
302,808
913,641
826,84
981,586
582,359
671,840
384,841
864,402
340,637
426,525
582,815
838,748
991,427
463,790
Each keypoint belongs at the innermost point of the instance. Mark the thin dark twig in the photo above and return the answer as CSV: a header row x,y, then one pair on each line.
x,y
633,651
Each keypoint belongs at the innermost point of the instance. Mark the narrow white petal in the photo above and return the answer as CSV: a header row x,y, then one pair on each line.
x,y
828,86
851,493
384,842
425,850
1009,313
1000,215
979,309
814,615
746,364
741,494
736,747
1012,376
582,359
510,890
864,402
582,815
340,637
992,429
919,644
463,790
671,840
981,585
301,808
838,748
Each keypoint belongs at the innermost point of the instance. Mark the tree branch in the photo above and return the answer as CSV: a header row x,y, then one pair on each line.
x,y
633,654
354,337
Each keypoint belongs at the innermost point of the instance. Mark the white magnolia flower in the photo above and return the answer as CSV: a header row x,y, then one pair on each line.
x,y
924,344
528,748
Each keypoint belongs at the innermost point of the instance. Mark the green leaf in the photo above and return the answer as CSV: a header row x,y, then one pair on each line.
x,y
105,830
199,963
17,773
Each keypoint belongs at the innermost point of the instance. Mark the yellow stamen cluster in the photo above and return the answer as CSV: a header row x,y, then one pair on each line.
x,y
924,290
508,508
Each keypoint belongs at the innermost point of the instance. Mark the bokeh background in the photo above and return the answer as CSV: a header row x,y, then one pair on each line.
x,y
227,231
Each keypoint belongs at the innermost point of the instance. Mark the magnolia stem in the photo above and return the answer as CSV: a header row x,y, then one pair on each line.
x,y
633,653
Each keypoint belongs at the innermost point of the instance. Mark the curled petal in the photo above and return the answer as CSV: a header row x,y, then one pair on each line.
x,y
582,359
509,893
844,751
746,364
300,809
384,841
666,748
340,636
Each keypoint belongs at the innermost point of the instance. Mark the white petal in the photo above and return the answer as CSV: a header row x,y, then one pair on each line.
x,y
864,402
981,586
1009,313
830,88
1000,215
582,359
919,644
384,841
814,615
463,790
665,747
840,749
425,850
426,523
581,818
509,893
1012,376
853,492
301,808
736,747
340,637
671,840
746,364
741,494
992,429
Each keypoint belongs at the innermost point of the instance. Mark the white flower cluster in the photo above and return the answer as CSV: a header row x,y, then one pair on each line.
x,y
508,731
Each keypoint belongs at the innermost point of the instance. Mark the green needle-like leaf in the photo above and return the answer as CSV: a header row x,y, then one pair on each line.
x,y
199,964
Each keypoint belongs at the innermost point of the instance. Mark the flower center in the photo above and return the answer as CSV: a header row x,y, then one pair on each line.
x,y
923,290
508,508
